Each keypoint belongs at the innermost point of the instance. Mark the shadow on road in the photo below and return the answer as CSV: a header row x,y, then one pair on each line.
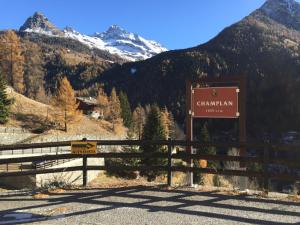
x,y
155,199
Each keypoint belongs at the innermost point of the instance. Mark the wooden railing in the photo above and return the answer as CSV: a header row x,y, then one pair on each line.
x,y
265,159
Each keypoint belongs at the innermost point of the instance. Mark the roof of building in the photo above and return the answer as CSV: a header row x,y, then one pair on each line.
x,y
88,100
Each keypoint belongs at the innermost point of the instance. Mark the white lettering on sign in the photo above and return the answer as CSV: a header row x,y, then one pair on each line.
x,y
214,103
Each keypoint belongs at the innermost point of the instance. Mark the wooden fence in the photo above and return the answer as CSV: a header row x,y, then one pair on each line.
x,y
265,158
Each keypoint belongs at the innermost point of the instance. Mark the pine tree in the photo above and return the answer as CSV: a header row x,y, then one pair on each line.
x,y
153,130
12,62
125,109
115,108
116,163
205,138
65,99
5,102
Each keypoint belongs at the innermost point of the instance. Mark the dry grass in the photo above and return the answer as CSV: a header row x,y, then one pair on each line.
x,y
26,105
40,196
33,115
294,198
104,181
55,191
56,211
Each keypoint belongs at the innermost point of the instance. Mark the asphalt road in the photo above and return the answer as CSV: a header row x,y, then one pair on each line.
x,y
144,206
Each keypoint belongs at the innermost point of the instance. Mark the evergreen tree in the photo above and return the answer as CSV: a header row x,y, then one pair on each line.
x,y
5,102
125,109
205,138
124,162
65,99
153,130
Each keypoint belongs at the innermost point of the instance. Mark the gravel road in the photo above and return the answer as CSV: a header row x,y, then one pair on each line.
x,y
144,206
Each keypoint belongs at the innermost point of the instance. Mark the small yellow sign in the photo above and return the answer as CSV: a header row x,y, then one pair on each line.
x,y
83,147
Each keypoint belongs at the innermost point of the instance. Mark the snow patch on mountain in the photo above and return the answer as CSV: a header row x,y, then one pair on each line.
x,y
118,41
115,40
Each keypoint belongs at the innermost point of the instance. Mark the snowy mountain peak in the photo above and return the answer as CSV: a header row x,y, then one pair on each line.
x,y
114,32
115,28
115,40
40,24
285,12
133,46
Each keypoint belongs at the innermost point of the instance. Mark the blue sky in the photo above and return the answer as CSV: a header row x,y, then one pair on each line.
x,y
174,23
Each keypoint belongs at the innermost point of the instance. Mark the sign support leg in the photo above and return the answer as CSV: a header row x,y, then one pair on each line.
x,y
189,131
84,170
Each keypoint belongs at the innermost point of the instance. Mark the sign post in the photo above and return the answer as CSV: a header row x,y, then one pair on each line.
x,y
216,98
84,148
189,129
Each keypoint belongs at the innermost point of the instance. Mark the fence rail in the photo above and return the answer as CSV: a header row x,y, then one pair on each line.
x,y
265,159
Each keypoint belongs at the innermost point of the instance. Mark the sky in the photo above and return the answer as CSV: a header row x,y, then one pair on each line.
x,y
175,24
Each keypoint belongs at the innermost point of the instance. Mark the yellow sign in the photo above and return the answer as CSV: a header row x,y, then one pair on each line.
x,y
83,147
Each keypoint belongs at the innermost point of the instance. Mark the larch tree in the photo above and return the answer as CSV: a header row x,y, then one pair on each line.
x,y
103,102
34,72
12,62
115,106
138,120
172,126
165,121
65,100
153,130
125,109
5,102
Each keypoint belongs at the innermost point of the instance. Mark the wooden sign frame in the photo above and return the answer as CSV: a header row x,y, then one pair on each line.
x,y
240,82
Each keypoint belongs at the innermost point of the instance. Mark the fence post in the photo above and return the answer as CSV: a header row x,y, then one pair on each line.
x,y
169,162
265,170
84,170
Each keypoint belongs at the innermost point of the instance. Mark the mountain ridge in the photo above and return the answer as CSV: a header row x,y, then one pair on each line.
x,y
115,40
263,48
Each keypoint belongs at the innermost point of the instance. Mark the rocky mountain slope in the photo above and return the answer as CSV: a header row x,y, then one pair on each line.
x,y
116,41
263,47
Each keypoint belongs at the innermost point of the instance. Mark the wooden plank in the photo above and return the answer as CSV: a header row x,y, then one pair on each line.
x,y
43,171
217,157
132,155
159,168
257,146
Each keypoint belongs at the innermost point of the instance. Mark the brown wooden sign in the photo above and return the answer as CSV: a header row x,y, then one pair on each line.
x,y
220,97
215,102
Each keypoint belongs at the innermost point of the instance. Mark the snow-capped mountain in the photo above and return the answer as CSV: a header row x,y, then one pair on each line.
x,y
129,44
115,40
38,23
